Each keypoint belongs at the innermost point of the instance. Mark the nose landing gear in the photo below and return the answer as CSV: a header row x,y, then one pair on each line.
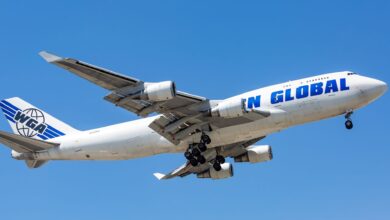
x,y
348,122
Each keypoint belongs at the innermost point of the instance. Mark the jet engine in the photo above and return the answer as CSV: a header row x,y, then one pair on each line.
x,y
230,108
256,154
157,92
226,172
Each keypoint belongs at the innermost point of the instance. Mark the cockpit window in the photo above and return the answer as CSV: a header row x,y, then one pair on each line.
x,y
350,74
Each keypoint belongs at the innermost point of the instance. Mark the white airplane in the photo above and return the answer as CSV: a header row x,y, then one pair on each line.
x,y
206,131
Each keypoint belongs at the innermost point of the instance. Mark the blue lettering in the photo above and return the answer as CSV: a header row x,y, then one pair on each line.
x,y
316,89
288,95
254,102
331,86
40,128
31,123
277,97
343,85
21,117
302,92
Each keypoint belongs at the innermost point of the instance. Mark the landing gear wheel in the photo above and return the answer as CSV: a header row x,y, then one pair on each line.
x,y
194,162
206,139
349,124
202,160
188,155
220,159
202,147
217,167
196,152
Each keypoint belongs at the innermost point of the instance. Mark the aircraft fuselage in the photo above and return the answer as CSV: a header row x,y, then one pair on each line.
x,y
292,103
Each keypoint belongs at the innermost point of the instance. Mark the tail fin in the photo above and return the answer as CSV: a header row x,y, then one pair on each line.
x,y
29,121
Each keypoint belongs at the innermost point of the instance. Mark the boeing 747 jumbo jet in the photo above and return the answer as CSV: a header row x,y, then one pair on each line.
x,y
205,131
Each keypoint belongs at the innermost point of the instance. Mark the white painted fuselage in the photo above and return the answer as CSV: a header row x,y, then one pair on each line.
x,y
135,139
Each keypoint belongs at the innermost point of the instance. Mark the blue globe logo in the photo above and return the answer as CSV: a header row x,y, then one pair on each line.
x,y
33,114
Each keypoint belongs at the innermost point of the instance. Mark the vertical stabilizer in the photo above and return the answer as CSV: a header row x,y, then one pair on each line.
x,y
30,121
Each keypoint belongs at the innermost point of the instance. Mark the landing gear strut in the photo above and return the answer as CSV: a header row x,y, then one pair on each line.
x,y
348,122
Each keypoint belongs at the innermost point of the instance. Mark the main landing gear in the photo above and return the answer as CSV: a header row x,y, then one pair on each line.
x,y
348,122
219,160
194,152
195,157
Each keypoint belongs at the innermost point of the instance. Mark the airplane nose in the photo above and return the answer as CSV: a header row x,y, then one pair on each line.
x,y
375,88
381,87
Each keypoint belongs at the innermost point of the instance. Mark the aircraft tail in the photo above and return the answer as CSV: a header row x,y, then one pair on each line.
x,y
30,121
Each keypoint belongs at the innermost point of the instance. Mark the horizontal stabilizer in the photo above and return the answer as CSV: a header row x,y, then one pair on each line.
x,y
159,176
23,144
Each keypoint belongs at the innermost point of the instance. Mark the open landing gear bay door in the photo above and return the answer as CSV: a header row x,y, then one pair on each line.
x,y
182,114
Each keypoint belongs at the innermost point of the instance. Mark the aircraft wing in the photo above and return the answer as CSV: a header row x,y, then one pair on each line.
x,y
232,150
181,115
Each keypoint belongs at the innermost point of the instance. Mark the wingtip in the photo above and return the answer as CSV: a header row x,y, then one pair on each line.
x,y
49,57
159,176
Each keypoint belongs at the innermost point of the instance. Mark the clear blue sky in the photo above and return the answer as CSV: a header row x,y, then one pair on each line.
x,y
210,48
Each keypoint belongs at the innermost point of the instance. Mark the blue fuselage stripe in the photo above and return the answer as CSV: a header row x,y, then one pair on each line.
x,y
48,135
8,113
42,137
10,105
10,119
7,108
55,130
51,133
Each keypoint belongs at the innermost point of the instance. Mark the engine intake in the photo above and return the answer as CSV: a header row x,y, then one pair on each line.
x,y
226,172
230,108
157,92
256,154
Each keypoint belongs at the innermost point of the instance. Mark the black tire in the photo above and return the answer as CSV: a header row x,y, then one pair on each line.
x,y
188,155
349,124
202,160
206,139
194,162
217,167
220,159
196,152
202,147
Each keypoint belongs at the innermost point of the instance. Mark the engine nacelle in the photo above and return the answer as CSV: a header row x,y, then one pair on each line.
x,y
226,172
161,91
231,108
256,154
